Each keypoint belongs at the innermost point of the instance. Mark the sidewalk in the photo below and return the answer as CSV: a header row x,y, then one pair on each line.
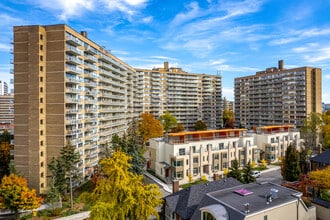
x,y
79,216
270,168
166,187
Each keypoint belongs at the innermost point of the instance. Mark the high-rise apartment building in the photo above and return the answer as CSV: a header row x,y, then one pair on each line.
x,y
278,96
68,89
6,113
3,88
187,96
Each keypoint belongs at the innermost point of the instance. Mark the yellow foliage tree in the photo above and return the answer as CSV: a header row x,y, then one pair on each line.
x,y
122,194
5,148
321,177
149,127
16,195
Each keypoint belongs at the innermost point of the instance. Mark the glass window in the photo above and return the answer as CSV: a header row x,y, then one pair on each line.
x,y
195,160
182,151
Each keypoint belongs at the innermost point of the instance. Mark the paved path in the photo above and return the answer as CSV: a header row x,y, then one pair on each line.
x,y
79,216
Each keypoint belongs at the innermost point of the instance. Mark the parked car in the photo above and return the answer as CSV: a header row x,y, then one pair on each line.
x,y
256,173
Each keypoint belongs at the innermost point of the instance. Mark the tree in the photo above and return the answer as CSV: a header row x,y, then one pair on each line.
x,y
228,118
322,180
5,137
168,121
200,126
234,171
132,146
65,167
291,164
122,194
149,127
310,131
178,128
247,176
325,130
15,194
5,158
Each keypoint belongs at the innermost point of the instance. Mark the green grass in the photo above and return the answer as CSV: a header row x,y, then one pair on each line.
x,y
184,186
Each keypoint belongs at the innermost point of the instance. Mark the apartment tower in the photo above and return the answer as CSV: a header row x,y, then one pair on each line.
x,y
187,96
68,90
278,96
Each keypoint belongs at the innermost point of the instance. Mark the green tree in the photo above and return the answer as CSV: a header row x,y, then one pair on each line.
x,y
200,126
15,194
234,171
247,175
178,128
310,131
5,158
132,146
290,165
149,127
5,137
228,118
63,168
168,121
122,194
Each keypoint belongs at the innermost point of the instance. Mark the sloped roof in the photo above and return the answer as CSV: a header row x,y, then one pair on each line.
x,y
322,158
185,201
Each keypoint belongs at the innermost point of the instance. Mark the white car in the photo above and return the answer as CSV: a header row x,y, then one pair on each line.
x,y
256,173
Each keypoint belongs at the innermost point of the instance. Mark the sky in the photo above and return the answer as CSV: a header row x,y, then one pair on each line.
x,y
234,38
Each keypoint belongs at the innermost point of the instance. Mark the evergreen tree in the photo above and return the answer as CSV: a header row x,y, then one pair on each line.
x,y
200,126
234,171
247,176
290,165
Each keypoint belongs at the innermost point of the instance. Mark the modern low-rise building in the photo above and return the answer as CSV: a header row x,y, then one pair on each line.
x,y
274,140
278,96
186,156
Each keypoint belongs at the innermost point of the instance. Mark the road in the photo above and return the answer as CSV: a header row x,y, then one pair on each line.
x,y
273,176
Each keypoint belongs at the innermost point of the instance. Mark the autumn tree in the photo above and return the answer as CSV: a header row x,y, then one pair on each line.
x,y
228,118
310,131
322,180
234,171
325,130
5,158
15,194
122,194
149,127
200,126
178,128
168,121
64,168
247,175
290,166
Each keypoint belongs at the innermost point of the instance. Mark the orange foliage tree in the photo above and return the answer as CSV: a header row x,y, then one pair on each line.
x,y
5,148
149,127
15,194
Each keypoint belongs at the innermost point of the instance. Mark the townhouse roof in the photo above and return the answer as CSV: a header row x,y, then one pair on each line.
x,y
322,158
185,201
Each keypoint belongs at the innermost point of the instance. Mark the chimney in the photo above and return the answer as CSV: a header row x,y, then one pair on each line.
x,y
175,185
166,65
83,33
281,65
247,207
216,177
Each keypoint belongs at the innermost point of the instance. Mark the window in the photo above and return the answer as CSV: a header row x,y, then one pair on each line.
x,y
224,165
187,162
42,185
272,140
41,89
195,160
41,143
41,121
194,149
41,132
265,217
221,146
41,47
196,170
41,79
41,154
41,68
42,164
41,37
216,156
224,155
41,100
42,174
177,163
182,151
41,58
41,111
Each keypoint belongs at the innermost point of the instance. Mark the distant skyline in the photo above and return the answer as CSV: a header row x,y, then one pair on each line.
x,y
231,37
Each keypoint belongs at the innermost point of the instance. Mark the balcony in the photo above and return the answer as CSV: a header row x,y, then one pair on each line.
x,y
73,40
74,50
73,60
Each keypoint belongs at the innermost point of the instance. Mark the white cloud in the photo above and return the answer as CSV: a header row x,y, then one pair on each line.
x,y
228,93
5,47
147,19
327,76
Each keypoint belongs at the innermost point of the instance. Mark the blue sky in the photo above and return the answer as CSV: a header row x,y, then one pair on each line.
x,y
234,37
